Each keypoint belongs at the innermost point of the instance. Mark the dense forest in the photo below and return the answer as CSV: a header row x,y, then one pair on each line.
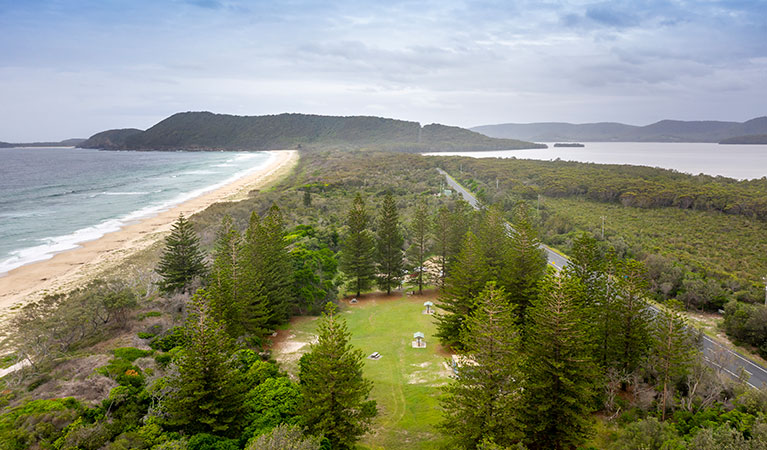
x,y
179,339
207,131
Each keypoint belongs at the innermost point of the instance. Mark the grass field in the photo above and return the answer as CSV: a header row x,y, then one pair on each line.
x,y
406,381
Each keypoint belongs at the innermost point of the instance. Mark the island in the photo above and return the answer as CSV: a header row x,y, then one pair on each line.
x,y
568,144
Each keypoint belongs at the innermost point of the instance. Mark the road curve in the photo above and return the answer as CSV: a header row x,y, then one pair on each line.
x,y
717,355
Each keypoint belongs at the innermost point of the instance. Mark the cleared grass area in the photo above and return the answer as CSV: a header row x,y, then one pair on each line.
x,y
406,380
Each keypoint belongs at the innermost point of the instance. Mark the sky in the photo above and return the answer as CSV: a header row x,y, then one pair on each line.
x,y
72,68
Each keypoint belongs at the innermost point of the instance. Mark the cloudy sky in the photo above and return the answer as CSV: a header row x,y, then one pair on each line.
x,y
71,68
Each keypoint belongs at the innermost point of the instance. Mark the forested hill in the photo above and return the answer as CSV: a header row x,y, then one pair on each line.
x,y
663,131
208,131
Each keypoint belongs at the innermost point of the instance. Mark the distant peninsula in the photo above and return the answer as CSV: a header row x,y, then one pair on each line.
x,y
663,131
750,139
568,144
65,143
201,131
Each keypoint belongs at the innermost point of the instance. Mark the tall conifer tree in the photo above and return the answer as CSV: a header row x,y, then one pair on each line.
x,y
226,279
467,279
633,316
270,268
493,237
673,350
419,247
462,217
358,249
209,393
335,394
441,228
560,374
182,260
389,246
483,401
236,299
526,262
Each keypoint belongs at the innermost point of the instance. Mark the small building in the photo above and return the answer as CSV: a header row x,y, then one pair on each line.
x,y
418,340
428,306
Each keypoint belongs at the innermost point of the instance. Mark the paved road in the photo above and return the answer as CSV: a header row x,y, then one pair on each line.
x,y
718,356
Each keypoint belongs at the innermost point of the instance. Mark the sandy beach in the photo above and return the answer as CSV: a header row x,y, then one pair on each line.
x,y
68,269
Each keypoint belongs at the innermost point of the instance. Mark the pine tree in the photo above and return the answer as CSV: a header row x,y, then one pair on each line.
x,y
673,349
483,401
182,260
208,393
269,265
467,279
525,264
633,316
597,274
419,230
389,244
493,237
235,300
559,371
358,247
335,395
441,227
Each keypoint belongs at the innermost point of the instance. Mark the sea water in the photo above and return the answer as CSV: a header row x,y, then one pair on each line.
x,y
733,161
54,199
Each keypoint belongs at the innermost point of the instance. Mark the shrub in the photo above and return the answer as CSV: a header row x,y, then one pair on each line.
x,y
163,359
172,338
130,353
204,441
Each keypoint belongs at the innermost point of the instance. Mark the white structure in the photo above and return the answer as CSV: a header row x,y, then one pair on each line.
x,y
418,340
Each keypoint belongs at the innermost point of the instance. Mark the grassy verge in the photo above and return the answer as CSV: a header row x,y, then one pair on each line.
x,y
406,381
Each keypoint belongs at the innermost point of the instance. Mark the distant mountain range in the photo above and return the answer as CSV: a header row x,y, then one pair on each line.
x,y
65,143
663,131
208,131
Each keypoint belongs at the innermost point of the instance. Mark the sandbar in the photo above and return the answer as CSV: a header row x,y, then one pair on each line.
x,y
69,269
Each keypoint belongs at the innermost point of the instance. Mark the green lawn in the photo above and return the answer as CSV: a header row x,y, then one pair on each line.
x,y
405,380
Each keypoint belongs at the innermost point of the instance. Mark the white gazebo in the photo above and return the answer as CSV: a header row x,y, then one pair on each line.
x,y
418,340
428,306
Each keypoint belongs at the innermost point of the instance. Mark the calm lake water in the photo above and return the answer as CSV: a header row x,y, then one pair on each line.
x,y
53,199
734,161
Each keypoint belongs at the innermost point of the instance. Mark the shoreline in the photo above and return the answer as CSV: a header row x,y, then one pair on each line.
x,y
70,268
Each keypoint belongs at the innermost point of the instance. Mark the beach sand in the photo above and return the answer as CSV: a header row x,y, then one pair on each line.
x,y
69,269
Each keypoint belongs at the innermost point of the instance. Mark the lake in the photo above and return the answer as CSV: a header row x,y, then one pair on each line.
x,y
734,161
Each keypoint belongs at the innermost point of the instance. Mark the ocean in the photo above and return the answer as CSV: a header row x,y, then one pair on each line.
x,y
733,161
53,199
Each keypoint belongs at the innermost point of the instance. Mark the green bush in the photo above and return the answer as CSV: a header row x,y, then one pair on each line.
x,y
204,441
149,314
163,359
172,338
130,353
144,335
